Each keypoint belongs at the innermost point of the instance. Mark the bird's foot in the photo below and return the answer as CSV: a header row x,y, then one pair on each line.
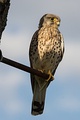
x,y
51,77
41,70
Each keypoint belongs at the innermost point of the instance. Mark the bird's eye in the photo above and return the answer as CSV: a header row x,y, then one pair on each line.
x,y
52,19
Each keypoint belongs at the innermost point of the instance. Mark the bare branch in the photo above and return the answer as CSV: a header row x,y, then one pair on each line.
x,y
22,67
4,7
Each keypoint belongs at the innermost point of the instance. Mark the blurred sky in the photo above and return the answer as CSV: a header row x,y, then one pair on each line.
x,y
63,94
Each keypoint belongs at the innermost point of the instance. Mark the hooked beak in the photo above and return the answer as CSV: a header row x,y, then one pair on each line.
x,y
56,21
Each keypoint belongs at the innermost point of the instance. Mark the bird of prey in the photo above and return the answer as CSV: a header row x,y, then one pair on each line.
x,y
45,53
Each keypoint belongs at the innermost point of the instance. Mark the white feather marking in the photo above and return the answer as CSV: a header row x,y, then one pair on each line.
x,y
62,43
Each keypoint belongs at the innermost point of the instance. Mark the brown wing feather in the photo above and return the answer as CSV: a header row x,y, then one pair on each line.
x,y
34,38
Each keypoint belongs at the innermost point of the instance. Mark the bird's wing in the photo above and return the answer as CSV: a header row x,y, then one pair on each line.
x,y
62,45
62,51
34,38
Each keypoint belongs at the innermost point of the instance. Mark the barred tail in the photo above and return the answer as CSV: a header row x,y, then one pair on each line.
x,y
38,100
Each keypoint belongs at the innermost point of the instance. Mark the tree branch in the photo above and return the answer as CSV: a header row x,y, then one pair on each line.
x,y
4,7
22,67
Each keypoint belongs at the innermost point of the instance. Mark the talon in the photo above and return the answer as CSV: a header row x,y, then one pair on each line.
x,y
40,70
51,77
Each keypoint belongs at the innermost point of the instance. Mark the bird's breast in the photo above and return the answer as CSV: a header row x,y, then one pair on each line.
x,y
48,53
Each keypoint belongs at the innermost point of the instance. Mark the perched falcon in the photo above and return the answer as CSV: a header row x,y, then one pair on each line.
x,y
45,53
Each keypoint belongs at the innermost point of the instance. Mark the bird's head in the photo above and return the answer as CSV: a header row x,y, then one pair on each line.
x,y
49,20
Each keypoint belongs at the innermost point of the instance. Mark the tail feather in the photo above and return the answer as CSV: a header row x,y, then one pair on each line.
x,y
38,99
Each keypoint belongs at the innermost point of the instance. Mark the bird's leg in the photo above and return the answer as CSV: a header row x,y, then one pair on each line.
x,y
51,77
40,70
